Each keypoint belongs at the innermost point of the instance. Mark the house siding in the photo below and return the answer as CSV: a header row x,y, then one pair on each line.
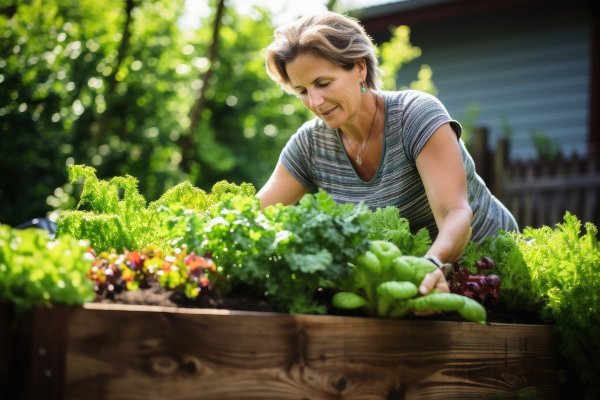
x,y
528,72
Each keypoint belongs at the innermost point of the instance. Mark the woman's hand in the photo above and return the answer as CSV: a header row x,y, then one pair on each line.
x,y
433,280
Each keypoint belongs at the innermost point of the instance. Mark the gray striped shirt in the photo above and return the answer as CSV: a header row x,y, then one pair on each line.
x,y
316,157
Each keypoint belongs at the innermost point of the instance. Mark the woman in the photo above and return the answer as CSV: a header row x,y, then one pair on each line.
x,y
383,148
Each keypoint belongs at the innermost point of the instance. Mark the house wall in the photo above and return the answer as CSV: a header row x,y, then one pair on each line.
x,y
526,72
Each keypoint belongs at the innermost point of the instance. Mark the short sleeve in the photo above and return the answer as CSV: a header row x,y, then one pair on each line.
x,y
422,115
296,156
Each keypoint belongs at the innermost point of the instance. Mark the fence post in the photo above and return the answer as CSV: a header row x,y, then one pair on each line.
x,y
591,208
500,168
481,154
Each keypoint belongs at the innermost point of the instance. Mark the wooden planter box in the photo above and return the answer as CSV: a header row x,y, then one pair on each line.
x,y
107,351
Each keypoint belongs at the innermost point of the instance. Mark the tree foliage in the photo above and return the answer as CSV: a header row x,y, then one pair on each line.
x,y
397,52
112,85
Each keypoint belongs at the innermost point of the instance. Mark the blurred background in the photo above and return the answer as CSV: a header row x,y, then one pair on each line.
x,y
174,90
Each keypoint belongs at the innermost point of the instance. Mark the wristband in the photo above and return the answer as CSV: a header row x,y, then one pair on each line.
x,y
435,261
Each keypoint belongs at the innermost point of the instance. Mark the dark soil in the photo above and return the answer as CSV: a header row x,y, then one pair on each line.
x,y
157,296
243,301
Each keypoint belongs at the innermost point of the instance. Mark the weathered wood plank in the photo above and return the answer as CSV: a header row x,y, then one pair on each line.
x,y
32,352
41,349
4,351
116,352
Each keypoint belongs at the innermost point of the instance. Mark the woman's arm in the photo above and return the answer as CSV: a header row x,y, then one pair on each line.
x,y
443,174
281,187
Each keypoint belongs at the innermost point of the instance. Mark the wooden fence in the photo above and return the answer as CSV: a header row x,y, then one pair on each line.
x,y
539,192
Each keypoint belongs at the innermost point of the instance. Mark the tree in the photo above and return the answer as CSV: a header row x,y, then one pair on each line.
x,y
397,52
187,140
77,86
121,87
111,85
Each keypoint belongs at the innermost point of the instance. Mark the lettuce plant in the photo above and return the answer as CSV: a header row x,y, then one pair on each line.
x,y
36,270
387,224
113,215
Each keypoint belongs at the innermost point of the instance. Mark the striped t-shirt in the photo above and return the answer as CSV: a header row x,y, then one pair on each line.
x,y
316,157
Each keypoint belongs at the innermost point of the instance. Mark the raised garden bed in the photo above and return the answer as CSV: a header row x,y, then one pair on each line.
x,y
115,351
296,259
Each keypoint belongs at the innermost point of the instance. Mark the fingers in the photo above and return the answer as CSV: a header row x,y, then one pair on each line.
x,y
434,280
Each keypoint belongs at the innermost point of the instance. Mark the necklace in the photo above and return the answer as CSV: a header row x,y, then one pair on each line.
x,y
358,159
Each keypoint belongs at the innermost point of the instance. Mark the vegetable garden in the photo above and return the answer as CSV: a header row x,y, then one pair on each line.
x,y
313,300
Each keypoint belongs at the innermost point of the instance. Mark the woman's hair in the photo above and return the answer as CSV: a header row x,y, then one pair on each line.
x,y
340,39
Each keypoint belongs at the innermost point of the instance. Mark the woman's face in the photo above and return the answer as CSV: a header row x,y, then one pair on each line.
x,y
329,91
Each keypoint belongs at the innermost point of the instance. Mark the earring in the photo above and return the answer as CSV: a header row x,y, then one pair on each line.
x,y
362,88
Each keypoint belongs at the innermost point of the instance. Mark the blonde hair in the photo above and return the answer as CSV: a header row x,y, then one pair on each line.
x,y
338,38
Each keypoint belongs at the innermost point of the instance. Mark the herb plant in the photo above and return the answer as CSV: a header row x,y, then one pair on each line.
x,y
317,238
285,253
564,263
553,273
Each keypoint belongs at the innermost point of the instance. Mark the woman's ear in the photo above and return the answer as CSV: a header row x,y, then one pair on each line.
x,y
361,67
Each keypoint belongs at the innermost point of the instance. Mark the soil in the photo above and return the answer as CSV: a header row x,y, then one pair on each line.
x,y
157,296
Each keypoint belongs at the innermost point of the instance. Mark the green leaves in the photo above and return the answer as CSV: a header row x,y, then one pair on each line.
x,y
79,88
348,301
387,224
394,290
36,270
287,253
116,217
395,53
554,273
384,283
510,266
564,264
310,263
241,241
385,252
319,224
112,214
